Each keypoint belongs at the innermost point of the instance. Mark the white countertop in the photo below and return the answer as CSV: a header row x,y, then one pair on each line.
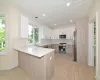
x,y
34,50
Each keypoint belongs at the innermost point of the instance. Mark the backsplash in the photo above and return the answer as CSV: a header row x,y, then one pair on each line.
x,y
46,41
57,41
23,41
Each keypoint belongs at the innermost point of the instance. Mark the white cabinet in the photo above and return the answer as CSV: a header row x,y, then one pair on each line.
x,y
47,33
51,34
54,34
68,31
57,33
24,27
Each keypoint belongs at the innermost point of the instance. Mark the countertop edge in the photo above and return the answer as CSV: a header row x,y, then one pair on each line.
x,y
38,56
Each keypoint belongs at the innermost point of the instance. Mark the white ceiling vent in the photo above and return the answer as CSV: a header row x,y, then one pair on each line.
x,y
77,1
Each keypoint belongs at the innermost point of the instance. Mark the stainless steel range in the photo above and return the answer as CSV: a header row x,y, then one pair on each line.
x,y
62,48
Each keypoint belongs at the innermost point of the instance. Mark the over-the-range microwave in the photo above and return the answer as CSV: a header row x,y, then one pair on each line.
x,y
62,36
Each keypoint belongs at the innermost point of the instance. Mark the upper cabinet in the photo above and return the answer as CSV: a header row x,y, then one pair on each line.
x,y
47,33
69,32
24,27
56,34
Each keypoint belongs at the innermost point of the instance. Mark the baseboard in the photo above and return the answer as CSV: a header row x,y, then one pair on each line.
x,y
97,78
9,68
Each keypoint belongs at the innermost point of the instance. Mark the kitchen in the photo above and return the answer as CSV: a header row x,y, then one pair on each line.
x,y
41,49
49,38
44,51
55,38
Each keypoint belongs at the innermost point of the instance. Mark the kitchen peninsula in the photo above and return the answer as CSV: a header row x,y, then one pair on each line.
x,y
37,62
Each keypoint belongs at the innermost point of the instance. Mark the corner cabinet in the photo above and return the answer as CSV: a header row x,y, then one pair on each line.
x,y
24,27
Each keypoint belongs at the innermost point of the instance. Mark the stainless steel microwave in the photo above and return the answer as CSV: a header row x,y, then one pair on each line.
x,y
62,36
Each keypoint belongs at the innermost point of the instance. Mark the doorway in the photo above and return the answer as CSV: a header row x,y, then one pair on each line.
x,y
92,44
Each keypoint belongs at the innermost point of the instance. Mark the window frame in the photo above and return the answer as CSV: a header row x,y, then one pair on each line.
x,y
3,52
28,33
33,34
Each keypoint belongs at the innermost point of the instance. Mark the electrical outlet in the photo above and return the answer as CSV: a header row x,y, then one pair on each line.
x,y
50,58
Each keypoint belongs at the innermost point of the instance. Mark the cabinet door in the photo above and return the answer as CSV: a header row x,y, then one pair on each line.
x,y
57,34
56,48
49,65
52,46
49,46
24,62
24,27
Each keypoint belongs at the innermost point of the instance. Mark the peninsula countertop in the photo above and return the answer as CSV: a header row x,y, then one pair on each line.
x,y
33,50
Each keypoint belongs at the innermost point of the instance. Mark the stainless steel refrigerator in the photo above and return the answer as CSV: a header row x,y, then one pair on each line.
x,y
75,45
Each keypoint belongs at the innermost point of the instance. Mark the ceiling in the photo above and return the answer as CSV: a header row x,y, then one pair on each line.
x,y
56,11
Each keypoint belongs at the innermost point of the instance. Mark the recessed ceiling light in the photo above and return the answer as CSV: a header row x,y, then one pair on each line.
x,y
55,24
68,4
36,17
44,15
71,21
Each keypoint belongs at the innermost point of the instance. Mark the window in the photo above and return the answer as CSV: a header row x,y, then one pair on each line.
x,y
30,34
2,33
36,35
33,34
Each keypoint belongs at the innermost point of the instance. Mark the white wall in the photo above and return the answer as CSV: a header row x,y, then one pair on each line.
x,y
92,12
10,60
98,39
82,40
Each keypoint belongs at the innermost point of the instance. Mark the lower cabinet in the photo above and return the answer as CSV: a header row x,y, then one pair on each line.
x,y
37,68
54,46
49,66
69,48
